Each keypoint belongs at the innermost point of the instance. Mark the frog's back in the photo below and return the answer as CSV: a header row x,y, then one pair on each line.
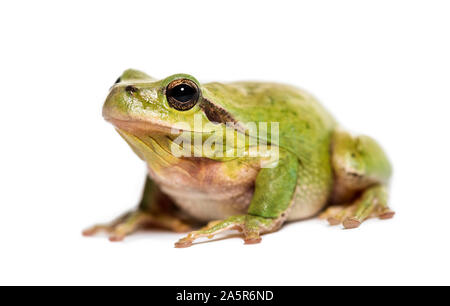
x,y
303,120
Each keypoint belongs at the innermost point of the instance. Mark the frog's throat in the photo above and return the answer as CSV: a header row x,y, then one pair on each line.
x,y
157,150
154,143
154,150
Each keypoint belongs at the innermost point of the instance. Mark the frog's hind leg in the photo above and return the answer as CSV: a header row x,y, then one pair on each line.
x,y
371,203
362,172
155,209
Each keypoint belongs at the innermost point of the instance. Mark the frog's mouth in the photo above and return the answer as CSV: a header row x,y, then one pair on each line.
x,y
142,127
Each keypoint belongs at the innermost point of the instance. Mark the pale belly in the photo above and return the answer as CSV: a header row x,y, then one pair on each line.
x,y
207,207
206,191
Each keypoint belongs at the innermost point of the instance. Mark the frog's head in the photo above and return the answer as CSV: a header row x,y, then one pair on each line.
x,y
137,103
144,109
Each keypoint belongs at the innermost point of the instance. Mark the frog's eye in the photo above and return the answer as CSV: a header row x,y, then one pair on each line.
x,y
182,94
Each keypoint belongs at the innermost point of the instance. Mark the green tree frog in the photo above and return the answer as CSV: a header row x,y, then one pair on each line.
x,y
223,179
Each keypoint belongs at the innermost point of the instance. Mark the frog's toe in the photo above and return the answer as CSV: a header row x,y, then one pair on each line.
x,y
91,231
371,204
351,223
119,232
209,231
106,227
335,215
183,244
250,226
387,214
356,220
130,222
121,227
116,238
114,233
333,221
252,240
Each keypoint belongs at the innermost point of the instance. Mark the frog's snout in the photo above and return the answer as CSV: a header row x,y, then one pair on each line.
x,y
115,105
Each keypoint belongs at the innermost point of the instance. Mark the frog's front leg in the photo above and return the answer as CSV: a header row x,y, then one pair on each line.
x,y
274,189
154,209
362,173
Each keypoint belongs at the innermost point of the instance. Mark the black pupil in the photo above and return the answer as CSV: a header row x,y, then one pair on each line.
x,y
182,93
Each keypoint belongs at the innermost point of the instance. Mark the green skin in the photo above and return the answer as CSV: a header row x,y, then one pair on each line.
x,y
319,164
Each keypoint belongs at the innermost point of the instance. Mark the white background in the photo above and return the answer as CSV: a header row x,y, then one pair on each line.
x,y
381,67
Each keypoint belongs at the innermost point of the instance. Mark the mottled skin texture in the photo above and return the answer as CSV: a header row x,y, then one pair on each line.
x,y
319,164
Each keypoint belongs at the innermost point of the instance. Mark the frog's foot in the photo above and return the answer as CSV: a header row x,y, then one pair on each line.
x,y
130,222
251,227
372,203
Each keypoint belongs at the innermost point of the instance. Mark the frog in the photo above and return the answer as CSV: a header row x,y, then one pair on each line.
x,y
310,166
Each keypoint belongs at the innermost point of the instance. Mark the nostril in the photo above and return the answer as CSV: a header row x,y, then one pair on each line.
x,y
131,89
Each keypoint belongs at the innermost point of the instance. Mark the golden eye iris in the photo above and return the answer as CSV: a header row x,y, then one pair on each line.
x,y
182,94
